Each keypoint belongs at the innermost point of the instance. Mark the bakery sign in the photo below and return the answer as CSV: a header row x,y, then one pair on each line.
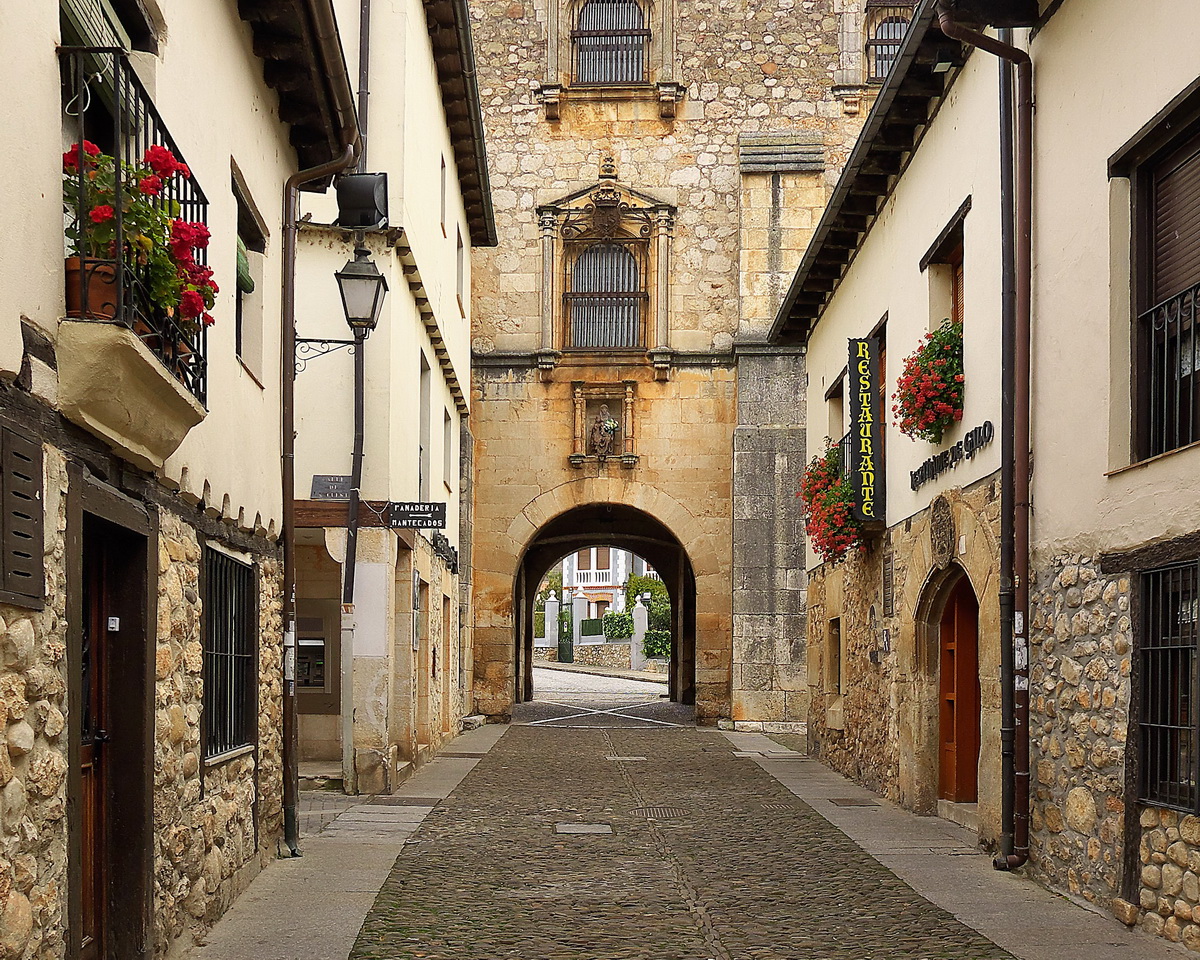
x,y
865,452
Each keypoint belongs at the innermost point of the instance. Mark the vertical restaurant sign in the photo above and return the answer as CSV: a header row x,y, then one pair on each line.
x,y
865,468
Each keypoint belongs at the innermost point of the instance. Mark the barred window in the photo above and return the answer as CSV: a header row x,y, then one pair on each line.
x,y
610,39
1167,373
884,38
230,648
604,303
1168,721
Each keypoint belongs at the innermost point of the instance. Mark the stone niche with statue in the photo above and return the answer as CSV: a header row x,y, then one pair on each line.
x,y
604,424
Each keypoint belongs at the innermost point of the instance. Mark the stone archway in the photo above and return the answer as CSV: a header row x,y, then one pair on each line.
x,y
509,569
625,528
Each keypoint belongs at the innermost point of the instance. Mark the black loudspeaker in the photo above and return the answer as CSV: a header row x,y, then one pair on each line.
x,y
362,201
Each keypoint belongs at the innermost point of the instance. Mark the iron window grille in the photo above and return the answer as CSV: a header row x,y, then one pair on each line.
x,y
606,300
1171,368
846,453
230,654
889,24
111,108
610,40
1169,724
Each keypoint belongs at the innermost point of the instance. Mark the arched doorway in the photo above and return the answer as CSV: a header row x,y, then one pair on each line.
x,y
622,527
958,703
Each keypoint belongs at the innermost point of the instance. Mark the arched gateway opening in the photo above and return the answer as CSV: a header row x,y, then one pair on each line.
x,y
621,527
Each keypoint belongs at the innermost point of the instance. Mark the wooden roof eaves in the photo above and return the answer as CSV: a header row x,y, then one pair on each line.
x,y
449,25
901,109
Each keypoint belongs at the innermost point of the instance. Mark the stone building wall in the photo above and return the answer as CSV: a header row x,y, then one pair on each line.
x,y
744,69
207,843
613,655
881,728
1081,638
33,751
770,671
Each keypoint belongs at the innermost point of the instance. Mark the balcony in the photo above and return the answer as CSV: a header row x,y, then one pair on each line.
x,y
132,350
594,578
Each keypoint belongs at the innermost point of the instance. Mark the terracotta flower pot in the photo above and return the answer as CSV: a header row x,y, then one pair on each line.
x,y
91,288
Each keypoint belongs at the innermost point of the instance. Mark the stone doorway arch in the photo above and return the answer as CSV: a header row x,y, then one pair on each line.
x,y
621,527
580,508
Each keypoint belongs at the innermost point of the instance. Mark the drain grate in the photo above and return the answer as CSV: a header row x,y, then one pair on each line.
x,y
387,801
853,802
776,805
659,813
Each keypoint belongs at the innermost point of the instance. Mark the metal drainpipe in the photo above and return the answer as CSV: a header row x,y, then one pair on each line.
x,y
331,53
1020,422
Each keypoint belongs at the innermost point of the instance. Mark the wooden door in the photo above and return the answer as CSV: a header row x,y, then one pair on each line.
x,y
92,760
959,708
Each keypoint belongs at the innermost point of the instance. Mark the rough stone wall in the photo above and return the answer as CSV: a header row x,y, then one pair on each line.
x,y
614,655
881,729
206,847
33,751
748,66
1080,632
1169,882
770,672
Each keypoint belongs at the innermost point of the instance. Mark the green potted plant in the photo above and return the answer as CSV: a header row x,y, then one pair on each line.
x,y
158,247
929,393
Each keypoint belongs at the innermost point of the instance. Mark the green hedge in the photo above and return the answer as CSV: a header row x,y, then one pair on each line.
x,y
657,643
618,626
539,623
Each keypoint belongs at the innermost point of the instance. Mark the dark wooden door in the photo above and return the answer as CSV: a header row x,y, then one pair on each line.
x,y
959,710
93,768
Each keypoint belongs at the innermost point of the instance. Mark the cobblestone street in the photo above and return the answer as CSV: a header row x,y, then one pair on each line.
x,y
703,855
603,825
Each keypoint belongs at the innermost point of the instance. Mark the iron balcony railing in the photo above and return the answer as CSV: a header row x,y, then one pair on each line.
x,y
1170,367
846,452
115,229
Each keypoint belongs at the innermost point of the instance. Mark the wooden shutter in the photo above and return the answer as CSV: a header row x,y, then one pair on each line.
x,y
21,551
1175,239
603,559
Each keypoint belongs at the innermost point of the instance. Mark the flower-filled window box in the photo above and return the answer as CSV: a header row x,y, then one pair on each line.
x,y
136,231
828,500
929,393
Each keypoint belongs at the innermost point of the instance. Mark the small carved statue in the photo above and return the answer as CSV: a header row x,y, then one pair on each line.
x,y
604,434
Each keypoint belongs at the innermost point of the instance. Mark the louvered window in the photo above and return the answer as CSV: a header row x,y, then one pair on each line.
x,y
606,299
610,40
22,576
1168,352
230,654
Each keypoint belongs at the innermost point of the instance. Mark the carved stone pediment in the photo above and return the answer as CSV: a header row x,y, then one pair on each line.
x,y
607,210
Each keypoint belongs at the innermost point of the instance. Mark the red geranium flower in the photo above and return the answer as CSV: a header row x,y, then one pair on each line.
x,y
151,186
191,304
102,214
162,161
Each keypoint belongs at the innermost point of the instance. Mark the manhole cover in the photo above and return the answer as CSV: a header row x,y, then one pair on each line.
x,y
659,813
852,802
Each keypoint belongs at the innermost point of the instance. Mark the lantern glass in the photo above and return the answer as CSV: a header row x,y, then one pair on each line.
x,y
363,288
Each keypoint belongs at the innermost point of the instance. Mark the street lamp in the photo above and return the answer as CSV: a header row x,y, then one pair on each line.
x,y
363,288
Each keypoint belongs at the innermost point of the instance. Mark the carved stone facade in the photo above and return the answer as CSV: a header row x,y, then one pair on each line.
x,y
716,223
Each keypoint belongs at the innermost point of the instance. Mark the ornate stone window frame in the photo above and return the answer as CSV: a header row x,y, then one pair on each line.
x,y
605,212
660,84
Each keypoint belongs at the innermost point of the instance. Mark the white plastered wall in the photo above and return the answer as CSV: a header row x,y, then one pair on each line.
x,y
958,158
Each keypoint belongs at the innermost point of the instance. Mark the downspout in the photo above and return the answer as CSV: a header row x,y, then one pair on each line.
x,y
350,564
335,68
1017,656
1008,300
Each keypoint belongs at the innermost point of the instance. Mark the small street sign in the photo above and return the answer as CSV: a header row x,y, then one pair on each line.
x,y
330,487
417,516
